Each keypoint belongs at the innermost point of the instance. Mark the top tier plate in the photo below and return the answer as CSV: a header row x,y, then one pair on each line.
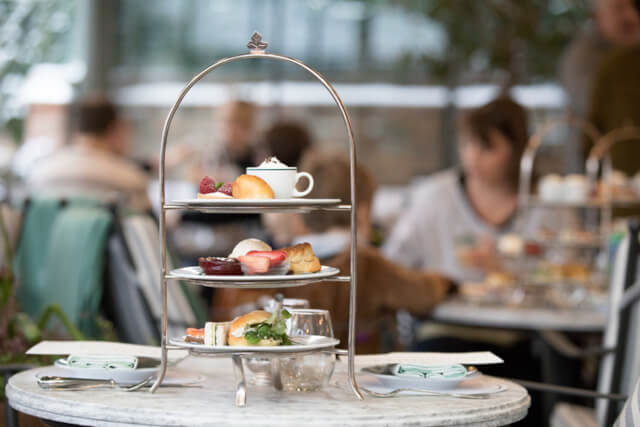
x,y
256,206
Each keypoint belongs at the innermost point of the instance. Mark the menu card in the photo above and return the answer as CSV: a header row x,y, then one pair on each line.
x,y
431,358
104,348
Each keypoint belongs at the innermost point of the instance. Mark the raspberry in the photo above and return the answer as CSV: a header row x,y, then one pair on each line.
x,y
207,185
226,189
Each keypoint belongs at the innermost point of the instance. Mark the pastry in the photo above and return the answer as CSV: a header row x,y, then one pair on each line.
x,y
258,328
499,279
210,190
511,245
251,187
220,266
576,188
248,245
551,188
302,259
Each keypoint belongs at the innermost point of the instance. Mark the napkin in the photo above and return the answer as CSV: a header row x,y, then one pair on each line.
x,y
102,348
102,362
430,358
424,371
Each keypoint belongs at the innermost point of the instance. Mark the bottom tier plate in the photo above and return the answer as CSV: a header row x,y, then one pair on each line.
x,y
301,344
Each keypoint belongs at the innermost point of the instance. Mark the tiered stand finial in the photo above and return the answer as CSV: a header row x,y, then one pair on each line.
x,y
257,50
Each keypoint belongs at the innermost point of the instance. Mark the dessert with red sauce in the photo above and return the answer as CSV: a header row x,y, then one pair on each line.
x,y
220,266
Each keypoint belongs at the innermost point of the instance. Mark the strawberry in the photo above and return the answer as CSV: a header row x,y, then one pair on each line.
x,y
275,257
207,185
226,189
255,264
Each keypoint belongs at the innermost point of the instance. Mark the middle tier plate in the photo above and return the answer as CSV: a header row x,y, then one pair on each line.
x,y
195,275
300,344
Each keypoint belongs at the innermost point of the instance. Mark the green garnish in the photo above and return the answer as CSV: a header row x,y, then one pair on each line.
x,y
218,185
273,328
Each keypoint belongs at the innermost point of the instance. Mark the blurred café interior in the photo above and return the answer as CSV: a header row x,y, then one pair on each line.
x,y
497,174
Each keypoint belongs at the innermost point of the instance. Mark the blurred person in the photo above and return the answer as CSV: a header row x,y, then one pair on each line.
x,y
615,102
383,286
456,216
45,132
288,141
616,23
235,145
454,221
94,164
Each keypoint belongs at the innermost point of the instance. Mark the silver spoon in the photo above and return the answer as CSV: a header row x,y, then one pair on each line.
x,y
424,392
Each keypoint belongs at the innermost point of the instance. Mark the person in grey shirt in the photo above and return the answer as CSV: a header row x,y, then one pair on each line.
x,y
455,217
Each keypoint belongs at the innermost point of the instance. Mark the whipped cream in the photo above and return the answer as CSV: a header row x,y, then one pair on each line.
x,y
272,163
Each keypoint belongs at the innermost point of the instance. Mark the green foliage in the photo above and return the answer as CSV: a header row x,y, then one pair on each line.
x,y
523,39
31,32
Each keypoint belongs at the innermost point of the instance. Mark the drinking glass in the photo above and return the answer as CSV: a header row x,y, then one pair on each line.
x,y
309,321
311,371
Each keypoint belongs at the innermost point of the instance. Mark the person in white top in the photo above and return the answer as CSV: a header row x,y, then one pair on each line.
x,y
95,164
455,217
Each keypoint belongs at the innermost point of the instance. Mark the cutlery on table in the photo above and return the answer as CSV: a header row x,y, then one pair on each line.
x,y
67,383
395,392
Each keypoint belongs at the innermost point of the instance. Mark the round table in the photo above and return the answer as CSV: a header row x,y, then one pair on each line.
x,y
214,404
459,312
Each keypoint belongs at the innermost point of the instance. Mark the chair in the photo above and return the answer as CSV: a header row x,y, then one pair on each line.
x,y
71,252
60,259
620,363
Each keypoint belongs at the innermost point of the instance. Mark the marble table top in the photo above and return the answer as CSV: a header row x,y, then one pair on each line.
x,y
335,405
464,313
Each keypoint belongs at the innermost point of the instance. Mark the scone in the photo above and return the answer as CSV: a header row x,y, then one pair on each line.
x,y
302,259
251,187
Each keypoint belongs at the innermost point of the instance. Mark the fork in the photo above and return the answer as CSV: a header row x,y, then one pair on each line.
x,y
60,383
424,392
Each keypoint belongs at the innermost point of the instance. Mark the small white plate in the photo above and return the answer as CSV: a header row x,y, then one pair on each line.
x,y
195,273
255,202
306,343
123,376
395,381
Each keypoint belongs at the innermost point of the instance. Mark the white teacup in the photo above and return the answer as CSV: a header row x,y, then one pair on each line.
x,y
283,180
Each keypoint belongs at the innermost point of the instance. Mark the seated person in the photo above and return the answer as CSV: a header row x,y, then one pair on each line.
x,y
455,216
381,283
95,164
233,146
288,141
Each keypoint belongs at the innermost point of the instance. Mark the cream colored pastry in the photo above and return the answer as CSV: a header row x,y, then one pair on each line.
x,y
511,244
302,259
551,188
576,188
251,187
